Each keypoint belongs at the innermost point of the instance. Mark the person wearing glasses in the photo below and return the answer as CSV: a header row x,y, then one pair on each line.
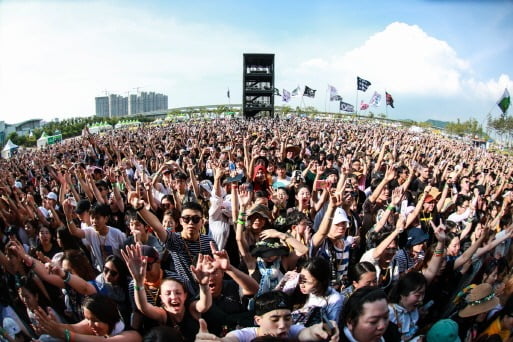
x,y
185,246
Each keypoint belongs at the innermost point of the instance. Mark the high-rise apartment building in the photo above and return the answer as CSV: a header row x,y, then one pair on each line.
x,y
116,105
102,106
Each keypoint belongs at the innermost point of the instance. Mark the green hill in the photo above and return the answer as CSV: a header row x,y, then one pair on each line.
x,y
437,123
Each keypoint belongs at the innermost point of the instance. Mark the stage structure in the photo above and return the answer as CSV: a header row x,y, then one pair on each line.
x,y
258,85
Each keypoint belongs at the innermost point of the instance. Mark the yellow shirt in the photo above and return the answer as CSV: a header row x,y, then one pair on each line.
x,y
496,328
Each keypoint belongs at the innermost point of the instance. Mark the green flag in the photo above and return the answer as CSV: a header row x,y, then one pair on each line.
x,y
504,101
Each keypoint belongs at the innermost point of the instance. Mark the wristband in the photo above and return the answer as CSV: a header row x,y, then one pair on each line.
x,y
391,207
67,277
67,335
241,222
32,264
137,288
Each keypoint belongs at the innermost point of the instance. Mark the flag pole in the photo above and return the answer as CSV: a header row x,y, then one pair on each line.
x,y
386,104
356,104
325,96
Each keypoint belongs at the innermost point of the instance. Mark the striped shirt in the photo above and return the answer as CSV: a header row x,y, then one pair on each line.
x,y
184,253
336,256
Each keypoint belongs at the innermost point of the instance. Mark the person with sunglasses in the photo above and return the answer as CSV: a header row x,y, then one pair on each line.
x,y
185,246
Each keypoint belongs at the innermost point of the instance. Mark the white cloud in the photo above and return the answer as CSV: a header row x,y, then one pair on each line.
x,y
407,62
402,58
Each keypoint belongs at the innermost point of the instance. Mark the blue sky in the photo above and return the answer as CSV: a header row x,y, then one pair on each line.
x,y
439,59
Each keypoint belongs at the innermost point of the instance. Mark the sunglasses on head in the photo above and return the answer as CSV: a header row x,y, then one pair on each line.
x,y
107,270
195,219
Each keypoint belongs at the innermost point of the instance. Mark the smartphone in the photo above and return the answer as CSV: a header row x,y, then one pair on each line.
x,y
327,325
320,184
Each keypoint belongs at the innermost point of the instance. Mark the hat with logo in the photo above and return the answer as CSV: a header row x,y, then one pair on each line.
x,y
416,236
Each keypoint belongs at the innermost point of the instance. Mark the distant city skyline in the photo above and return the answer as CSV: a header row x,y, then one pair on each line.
x,y
115,105
440,60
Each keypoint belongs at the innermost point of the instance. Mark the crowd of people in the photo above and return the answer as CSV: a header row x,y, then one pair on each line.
x,y
257,230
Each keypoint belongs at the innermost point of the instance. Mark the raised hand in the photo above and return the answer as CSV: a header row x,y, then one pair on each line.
x,y
203,269
135,262
390,173
221,259
134,200
397,195
244,197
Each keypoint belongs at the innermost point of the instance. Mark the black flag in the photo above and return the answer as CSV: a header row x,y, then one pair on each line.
x,y
346,107
362,84
309,92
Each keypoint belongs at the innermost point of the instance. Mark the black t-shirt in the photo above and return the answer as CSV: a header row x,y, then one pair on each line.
x,y
54,250
227,309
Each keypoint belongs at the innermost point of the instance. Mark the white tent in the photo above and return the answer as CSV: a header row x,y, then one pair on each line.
x,y
9,149
48,140
42,141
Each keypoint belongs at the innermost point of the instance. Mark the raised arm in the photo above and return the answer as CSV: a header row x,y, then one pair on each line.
x,y
202,271
137,267
436,260
147,216
72,227
325,226
248,285
54,274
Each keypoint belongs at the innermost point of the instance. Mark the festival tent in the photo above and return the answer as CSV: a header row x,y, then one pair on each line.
x,y
9,149
127,123
48,140
99,127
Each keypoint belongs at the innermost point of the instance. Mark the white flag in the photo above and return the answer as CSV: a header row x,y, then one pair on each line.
x,y
296,91
333,93
285,95
375,99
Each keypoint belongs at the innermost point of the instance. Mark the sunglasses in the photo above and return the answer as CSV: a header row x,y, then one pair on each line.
x,y
107,270
195,219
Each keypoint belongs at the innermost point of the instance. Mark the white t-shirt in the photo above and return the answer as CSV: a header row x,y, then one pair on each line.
x,y
248,334
110,244
368,256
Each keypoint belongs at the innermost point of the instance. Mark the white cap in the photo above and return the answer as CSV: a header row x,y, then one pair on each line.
x,y
18,184
52,195
11,326
206,185
339,216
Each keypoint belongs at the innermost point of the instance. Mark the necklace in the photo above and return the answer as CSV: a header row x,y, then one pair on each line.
x,y
188,250
154,295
